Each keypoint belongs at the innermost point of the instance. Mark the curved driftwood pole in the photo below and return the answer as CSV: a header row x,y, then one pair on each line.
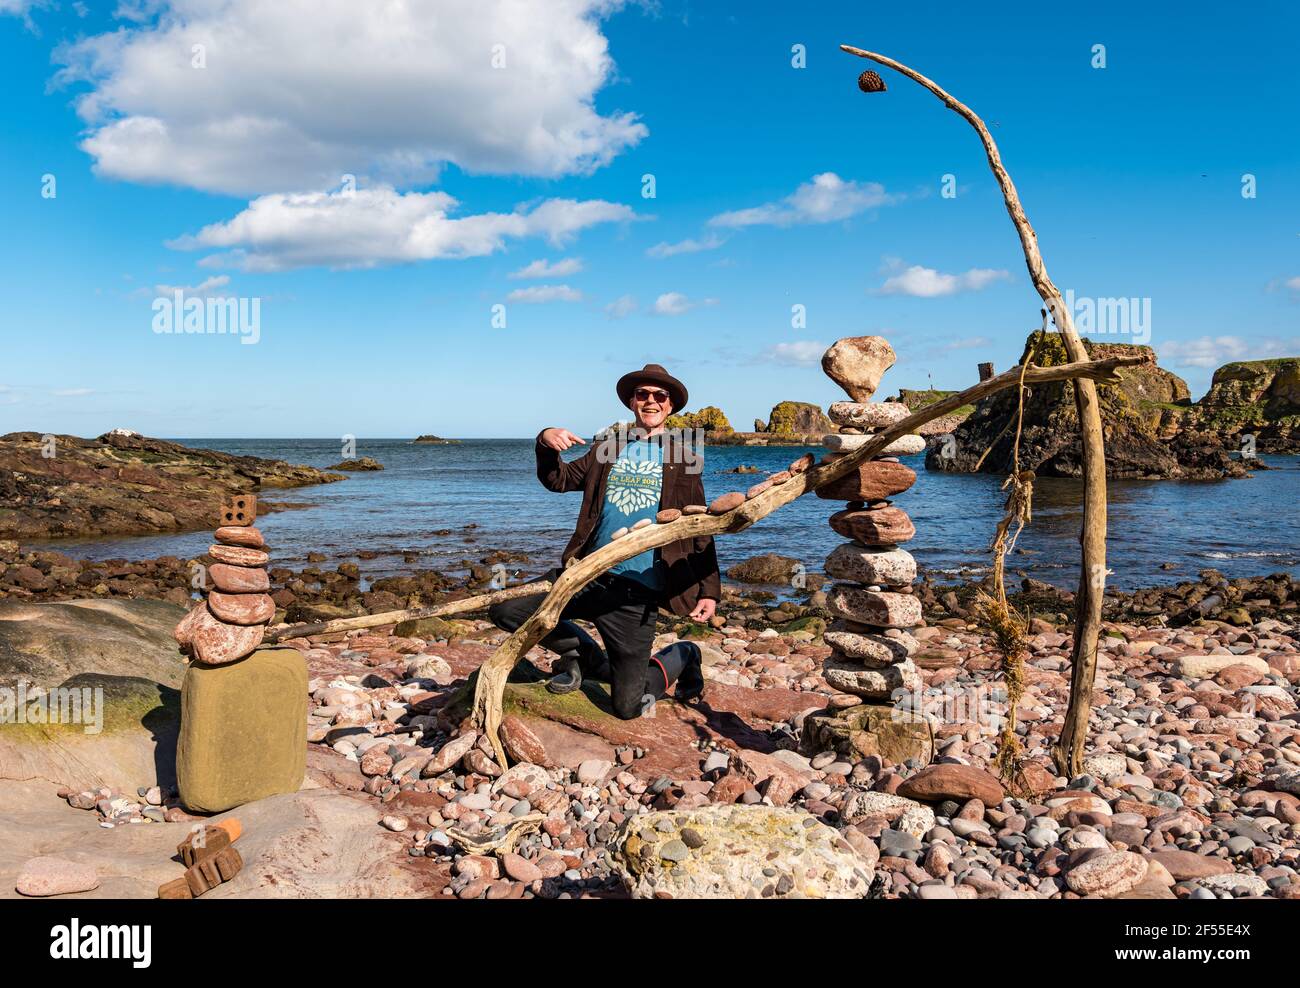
x,y
492,674
463,606
1068,751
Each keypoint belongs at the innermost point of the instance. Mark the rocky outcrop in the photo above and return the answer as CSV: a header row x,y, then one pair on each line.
x,y
799,418
432,439
792,423
359,464
125,484
1140,417
710,418
1260,398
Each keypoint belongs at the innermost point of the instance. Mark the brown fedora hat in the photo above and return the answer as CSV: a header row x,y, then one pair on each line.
x,y
652,374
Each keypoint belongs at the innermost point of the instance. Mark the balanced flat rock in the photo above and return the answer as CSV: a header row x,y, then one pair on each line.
x,y
874,526
868,414
902,446
246,536
880,609
239,579
872,649
216,643
236,556
870,684
871,565
874,480
241,608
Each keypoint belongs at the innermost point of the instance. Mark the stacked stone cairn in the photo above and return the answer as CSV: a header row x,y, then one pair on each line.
x,y
872,599
243,729
231,622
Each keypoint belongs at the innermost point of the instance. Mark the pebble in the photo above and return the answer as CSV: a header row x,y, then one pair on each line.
x,y
45,876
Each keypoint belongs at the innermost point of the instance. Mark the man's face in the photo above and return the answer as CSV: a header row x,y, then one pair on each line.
x,y
651,405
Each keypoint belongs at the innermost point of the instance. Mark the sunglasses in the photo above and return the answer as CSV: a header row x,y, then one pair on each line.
x,y
648,394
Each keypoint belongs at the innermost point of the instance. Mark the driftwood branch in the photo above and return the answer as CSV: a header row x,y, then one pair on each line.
x,y
463,606
1068,752
492,674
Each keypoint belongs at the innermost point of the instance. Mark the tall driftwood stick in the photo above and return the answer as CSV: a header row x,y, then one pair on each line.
x,y
492,674
1068,751
462,606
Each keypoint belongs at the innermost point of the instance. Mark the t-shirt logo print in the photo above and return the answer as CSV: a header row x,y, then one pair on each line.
x,y
633,486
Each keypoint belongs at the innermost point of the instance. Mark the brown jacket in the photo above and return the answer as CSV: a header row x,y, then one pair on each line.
x,y
691,564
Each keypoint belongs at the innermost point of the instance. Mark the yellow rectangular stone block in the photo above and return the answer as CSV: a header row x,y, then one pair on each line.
x,y
243,730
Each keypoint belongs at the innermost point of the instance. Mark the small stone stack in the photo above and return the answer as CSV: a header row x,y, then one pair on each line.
x,y
231,622
872,598
243,731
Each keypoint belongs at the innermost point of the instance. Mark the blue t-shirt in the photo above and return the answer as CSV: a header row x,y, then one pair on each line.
x,y
632,493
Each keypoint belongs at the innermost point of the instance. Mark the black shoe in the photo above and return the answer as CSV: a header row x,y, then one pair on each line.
x,y
690,684
567,677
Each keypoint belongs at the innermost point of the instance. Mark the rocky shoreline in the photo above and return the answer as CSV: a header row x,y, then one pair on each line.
x,y
1191,786
757,592
126,484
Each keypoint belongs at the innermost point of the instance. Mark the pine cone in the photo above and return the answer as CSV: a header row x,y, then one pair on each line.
x,y
870,82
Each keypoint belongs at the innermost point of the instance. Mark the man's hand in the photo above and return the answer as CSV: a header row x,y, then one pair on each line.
x,y
560,439
704,610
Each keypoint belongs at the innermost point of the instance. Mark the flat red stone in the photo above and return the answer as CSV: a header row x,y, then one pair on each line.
x,y
238,579
236,556
241,608
874,480
246,536
217,643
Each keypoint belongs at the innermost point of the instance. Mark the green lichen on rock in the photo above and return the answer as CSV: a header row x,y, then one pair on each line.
x,y
708,418
1256,397
90,704
1143,417
813,624
790,418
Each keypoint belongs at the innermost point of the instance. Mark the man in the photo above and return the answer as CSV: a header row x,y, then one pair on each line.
x,y
623,480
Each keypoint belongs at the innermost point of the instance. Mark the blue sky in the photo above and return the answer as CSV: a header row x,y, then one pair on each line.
x,y
519,184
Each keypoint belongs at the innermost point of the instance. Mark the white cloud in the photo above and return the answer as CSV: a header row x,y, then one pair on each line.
x,y
929,283
296,93
711,242
1293,284
801,353
23,9
544,269
370,227
621,307
545,293
1214,351
73,392
205,288
677,304
825,199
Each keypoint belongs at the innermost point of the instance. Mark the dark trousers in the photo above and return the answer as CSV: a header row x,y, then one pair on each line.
x,y
624,613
